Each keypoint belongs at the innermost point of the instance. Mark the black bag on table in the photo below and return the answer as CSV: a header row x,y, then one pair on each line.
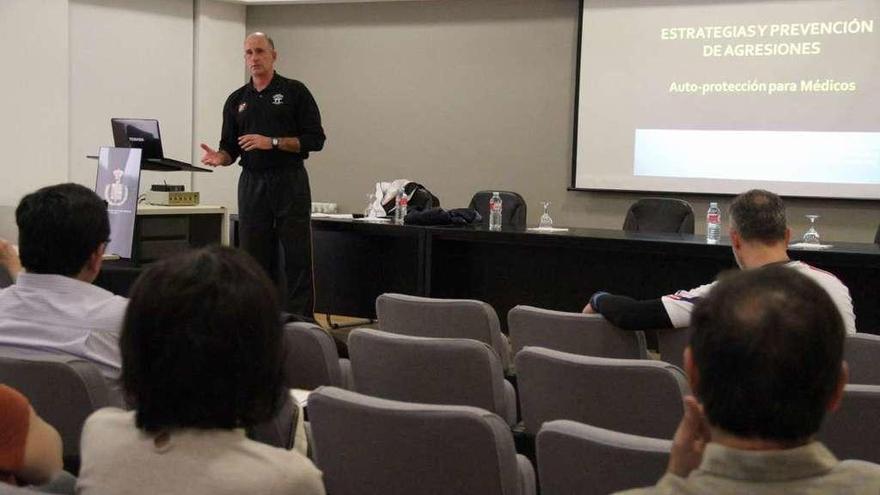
x,y
420,198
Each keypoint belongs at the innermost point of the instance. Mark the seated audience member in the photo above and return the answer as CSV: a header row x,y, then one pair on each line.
x,y
759,237
201,360
53,306
30,449
765,362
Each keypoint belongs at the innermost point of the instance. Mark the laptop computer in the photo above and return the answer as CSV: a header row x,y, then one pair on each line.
x,y
144,134
117,182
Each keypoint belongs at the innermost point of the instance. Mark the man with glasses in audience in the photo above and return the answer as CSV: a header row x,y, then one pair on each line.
x,y
53,306
765,363
759,237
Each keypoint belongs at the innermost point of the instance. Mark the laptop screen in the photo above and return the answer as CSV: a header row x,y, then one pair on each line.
x,y
138,133
119,172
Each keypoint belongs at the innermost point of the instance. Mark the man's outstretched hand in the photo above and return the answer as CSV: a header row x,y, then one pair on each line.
x,y
214,158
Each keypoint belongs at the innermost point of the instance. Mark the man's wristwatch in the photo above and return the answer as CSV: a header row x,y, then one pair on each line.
x,y
275,142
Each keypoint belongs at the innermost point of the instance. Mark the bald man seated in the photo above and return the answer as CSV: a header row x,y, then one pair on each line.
x,y
759,237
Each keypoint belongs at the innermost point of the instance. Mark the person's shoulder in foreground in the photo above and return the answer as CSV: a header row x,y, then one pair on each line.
x,y
751,427
202,360
828,475
117,454
30,449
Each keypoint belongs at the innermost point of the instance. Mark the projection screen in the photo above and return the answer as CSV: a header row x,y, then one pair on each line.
x,y
720,96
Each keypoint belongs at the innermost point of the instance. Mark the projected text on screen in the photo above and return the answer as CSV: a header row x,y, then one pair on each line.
x,y
716,97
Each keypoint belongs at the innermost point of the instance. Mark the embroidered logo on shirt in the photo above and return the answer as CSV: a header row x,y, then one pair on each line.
x,y
277,99
242,107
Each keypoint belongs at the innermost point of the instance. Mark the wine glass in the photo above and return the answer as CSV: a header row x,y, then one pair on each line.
x,y
812,235
546,222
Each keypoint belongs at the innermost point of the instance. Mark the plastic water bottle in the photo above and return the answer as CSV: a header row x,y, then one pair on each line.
x,y
495,212
401,203
713,223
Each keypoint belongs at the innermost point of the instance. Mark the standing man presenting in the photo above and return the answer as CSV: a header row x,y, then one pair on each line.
x,y
273,123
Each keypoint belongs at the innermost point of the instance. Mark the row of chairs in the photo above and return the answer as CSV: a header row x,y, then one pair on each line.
x,y
558,385
313,361
379,446
552,384
576,333
365,444
444,368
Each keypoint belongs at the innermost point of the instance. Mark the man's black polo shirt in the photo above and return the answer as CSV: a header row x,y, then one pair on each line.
x,y
285,108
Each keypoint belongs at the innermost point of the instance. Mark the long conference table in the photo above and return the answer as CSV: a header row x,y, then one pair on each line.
x,y
356,261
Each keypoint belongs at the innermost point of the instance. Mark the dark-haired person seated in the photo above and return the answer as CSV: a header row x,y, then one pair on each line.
x,y
765,362
53,306
30,448
201,360
759,237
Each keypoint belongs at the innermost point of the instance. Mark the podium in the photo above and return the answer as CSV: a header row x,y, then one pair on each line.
x,y
161,231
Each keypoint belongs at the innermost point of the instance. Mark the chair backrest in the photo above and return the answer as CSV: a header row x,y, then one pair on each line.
x,y
369,445
853,431
280,430
861,352
660,215
63,390
635,396
671,343
513,212
311,359
577,333
428,370
443,318
578,458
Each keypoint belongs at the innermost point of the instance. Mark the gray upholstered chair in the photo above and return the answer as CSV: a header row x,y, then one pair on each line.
x,y
367,445
514,211
577,333
862,353
660,215
853,431
64,390
577,458
430,370
311,359
672,343
280,431
635,396
443,318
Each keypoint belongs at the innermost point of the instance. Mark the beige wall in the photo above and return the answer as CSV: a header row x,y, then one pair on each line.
x,y
130,59
463,95
219,69
90,60
33,130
